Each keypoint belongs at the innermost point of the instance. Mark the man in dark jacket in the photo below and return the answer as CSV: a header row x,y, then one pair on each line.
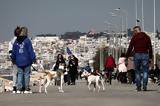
x,y
141,45
72,66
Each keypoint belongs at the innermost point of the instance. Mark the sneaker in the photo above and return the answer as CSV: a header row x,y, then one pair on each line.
x,y
14,90
19,92
28,92
61,91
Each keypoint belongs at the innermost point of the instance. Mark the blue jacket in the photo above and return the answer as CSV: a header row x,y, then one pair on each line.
x,y
23,53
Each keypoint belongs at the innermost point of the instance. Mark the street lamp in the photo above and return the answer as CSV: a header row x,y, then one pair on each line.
x,y
115,15
142,16
136,12
126,14
101,56
115,54
109,24
111,42
154,32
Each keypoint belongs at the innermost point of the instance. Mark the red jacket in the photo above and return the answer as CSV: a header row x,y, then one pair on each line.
x,y
110,62
140,43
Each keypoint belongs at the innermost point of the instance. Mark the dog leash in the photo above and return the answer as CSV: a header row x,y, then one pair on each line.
x,y
34,68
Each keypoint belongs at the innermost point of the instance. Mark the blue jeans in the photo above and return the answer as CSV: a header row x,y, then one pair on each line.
x,y
23,77
14,74
141,61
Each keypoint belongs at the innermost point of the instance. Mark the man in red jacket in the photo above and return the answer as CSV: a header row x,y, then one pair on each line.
x,y
141,45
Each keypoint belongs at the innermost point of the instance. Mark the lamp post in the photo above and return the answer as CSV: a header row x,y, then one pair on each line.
x,y
136,12
111,25
126,14
101,55
115,15
142,16
154,32
107,25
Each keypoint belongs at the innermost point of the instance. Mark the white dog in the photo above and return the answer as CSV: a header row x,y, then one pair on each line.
x,y
93,79
47,78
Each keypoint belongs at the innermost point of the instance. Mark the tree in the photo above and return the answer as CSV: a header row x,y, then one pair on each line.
x,y
96,59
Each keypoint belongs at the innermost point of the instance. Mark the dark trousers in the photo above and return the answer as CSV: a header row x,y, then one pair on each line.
x,y
73,78
123,77
131,76
109,74
65,78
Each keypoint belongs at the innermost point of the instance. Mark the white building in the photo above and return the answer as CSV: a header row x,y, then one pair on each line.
x,y
46,39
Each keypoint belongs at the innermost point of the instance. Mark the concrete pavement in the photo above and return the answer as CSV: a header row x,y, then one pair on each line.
x,y
78,95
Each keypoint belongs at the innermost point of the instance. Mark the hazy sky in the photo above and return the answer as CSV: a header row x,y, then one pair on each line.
x,y
59,16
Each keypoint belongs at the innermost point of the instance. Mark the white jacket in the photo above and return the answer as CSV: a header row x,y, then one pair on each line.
x,y
11,44
122,67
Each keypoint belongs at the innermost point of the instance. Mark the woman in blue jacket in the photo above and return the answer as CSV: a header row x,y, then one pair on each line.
x,y
23,55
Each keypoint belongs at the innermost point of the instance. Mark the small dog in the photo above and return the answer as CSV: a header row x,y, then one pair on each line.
x,y
93,79
47,78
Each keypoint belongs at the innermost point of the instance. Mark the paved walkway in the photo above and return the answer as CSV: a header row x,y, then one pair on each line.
x,y
78,95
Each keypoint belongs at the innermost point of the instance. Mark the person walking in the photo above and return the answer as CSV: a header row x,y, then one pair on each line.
x,y
72,66
142,47
59,67
14,67
109,67
23,55
76,68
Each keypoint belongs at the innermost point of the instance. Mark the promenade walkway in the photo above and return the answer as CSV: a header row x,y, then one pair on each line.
x,y
115,95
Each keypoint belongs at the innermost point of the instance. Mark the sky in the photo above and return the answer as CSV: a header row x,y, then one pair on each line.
x,y
60,16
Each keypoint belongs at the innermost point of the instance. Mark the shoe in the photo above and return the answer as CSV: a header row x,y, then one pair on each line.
x,y
14,90
74,83
138,89
61,91
19,92
28,92
144,88
23,89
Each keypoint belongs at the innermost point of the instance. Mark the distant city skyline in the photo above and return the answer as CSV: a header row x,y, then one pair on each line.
x,y
60,16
